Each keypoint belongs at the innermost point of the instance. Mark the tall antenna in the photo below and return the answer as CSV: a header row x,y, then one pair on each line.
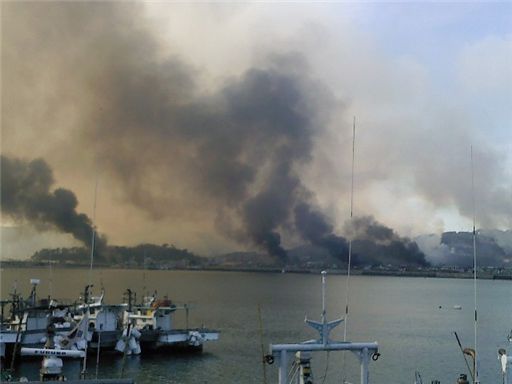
x,y
50,292
475,376
93,229
144,289
350,240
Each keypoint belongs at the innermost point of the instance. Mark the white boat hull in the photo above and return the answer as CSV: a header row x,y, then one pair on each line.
x,y
191,339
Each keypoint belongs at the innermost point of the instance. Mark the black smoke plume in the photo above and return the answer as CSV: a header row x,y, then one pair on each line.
x,y
372,242
313,226
376,244
230,152
235,150
26,194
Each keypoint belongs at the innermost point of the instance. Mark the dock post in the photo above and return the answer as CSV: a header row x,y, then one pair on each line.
x,y
364,366
283,367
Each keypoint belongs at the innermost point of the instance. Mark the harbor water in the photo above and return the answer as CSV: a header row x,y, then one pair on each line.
x,y
412,319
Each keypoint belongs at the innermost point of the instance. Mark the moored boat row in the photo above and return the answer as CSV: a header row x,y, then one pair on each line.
x,y
126,328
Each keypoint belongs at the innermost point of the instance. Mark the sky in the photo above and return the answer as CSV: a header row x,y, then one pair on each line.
x,y
210,126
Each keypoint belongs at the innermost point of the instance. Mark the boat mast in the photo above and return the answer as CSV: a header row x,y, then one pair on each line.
x,y
50,293
349,264
475,374
350,240
93,239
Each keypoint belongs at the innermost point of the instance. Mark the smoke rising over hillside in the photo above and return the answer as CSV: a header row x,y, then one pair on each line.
x,y
380,245
27,194
236,150
252,155
314,227
493,248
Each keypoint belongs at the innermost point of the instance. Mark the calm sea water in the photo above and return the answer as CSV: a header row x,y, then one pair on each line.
x,y
402,314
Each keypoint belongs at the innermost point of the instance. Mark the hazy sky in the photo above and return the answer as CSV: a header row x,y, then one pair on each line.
x,y
196,118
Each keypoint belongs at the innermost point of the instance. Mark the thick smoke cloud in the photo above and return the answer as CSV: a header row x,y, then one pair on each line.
x,y
374,243
239,147
26,194
177,144
314,227
168,142
236,149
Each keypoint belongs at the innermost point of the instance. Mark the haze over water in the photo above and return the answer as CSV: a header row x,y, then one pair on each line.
x,y
402,314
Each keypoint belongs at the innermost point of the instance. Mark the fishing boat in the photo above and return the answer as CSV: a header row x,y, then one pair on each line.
x,y
150,326
7,340
53,353
29,320
105,320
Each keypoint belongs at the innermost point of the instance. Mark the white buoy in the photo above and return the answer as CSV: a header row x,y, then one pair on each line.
x,y
505,361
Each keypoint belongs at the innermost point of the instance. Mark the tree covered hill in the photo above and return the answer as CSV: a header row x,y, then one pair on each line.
x,y
143,255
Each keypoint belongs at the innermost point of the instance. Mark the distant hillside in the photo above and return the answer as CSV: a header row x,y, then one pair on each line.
x,y
314,256
502,238
143,255
243,259
365,253
305,256
494,248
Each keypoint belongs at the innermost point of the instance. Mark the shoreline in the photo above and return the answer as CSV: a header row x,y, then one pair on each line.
x,y
493,274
